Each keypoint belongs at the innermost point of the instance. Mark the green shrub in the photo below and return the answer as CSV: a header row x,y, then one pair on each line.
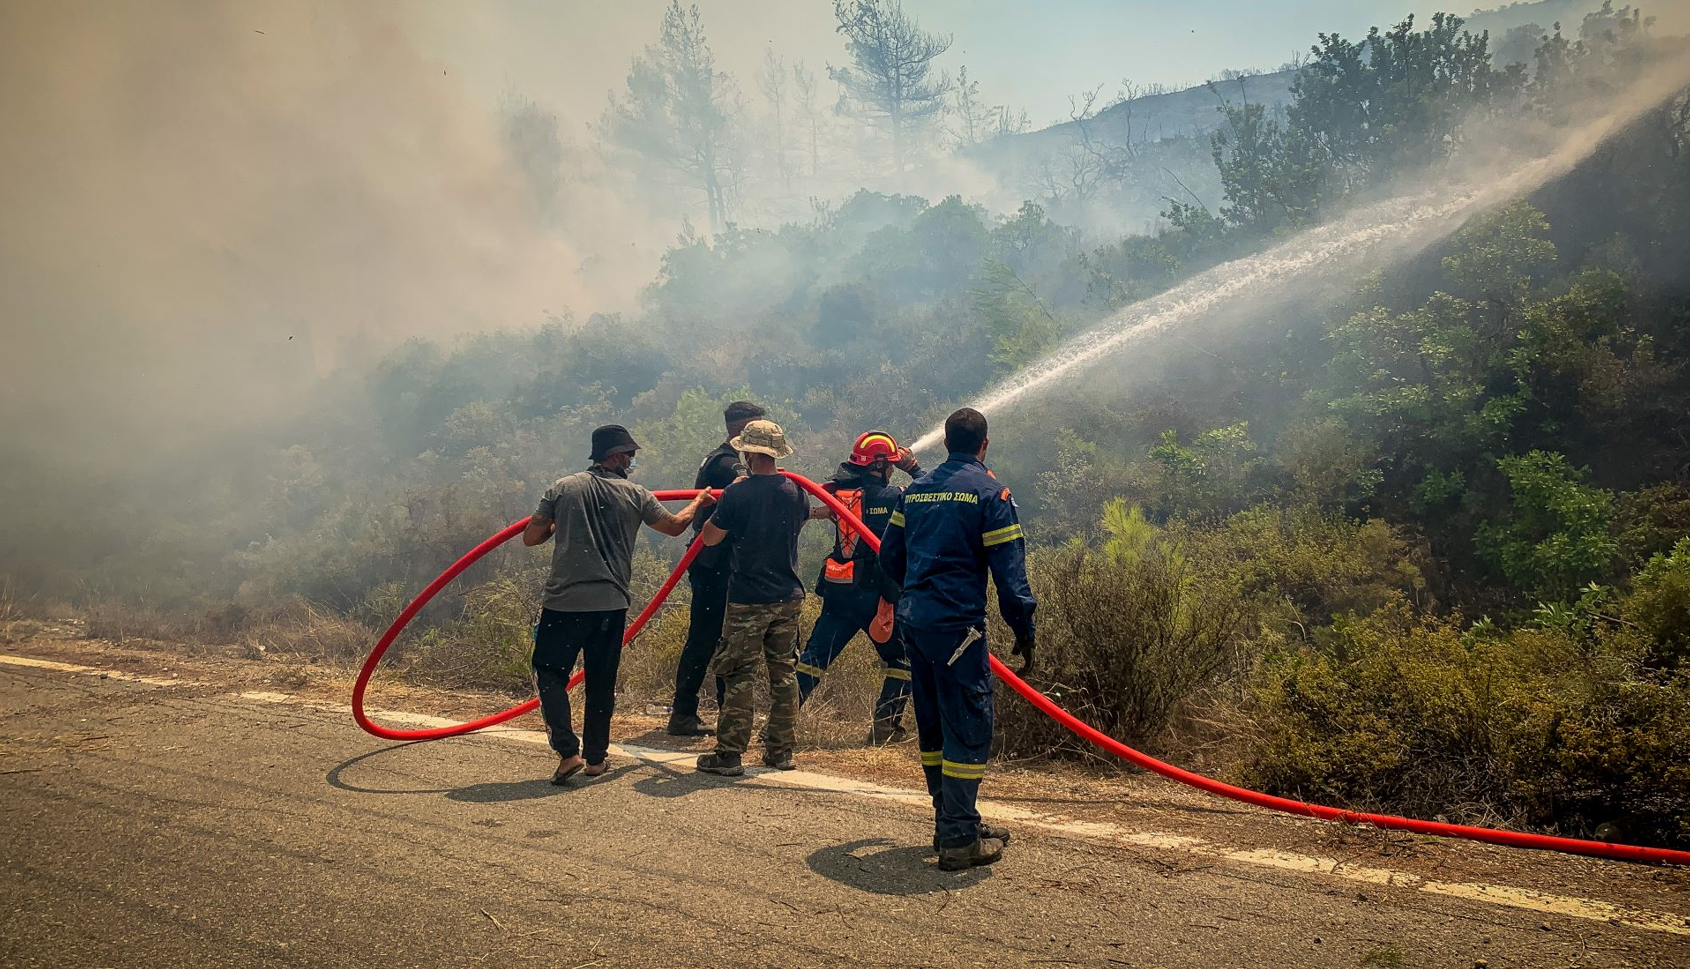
x,y
1624,760
1651,520
1123,639
1660,602
1409,714
1306,566
1557,534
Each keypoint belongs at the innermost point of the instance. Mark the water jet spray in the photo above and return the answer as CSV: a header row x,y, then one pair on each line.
x,y
1379,233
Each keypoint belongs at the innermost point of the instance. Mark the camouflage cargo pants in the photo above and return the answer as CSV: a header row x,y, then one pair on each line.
x,y
770,633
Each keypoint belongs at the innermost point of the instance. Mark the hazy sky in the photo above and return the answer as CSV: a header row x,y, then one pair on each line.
x,y
568,53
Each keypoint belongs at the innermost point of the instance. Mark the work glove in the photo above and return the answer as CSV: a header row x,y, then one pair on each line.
x,y
1024,649
880,630
906,462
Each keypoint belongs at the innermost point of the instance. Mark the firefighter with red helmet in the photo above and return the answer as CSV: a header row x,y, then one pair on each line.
x,y
856,595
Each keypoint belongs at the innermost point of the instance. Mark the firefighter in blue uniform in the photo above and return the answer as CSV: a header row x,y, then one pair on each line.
x,y
950,529
856,596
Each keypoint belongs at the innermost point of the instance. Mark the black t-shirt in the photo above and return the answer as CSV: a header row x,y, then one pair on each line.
x,y
719,470
762,516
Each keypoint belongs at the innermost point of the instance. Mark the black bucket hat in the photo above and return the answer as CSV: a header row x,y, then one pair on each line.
x,y
612,439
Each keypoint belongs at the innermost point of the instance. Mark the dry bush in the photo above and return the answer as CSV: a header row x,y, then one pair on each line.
x,y
129,622
54,610
11,619
1123,640
301,631
487,646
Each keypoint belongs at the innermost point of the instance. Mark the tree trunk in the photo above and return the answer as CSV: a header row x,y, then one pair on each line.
x,y
782,163
713,201
897,139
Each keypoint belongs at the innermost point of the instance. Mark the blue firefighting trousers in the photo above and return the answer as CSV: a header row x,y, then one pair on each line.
x,y
953,718
846,612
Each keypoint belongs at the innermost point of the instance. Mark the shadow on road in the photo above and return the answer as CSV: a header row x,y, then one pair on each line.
x,y
337,774
666,781
495,792
486,792
877,865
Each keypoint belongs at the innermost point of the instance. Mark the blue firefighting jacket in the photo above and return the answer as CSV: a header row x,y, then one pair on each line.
x,y
949,529
877,502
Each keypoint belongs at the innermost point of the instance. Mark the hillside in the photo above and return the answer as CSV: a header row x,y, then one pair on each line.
x,y
1137,153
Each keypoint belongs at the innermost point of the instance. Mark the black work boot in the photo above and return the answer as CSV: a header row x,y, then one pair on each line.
x,y
681,725
727,765
995,832
983,851
884,732
779,761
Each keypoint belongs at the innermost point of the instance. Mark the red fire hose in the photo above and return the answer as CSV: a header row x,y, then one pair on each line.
x,y
1044,704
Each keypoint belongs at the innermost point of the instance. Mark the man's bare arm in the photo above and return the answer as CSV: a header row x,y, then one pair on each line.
x,y
675,525
714,533
538,530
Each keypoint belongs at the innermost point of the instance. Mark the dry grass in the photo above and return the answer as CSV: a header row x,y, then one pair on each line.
x,y
9,617
306,633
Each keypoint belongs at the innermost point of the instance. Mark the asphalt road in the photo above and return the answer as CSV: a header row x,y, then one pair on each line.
x,y
149,825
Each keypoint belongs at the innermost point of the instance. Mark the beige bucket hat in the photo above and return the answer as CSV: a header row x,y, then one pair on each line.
x,y
762,437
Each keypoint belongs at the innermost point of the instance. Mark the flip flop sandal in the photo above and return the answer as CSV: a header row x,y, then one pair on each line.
x,y
565,774
598,770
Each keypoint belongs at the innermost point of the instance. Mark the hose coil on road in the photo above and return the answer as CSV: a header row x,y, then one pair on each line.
x,y
1044,704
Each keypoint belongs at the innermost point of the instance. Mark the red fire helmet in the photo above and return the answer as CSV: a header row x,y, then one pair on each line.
x,y
874,446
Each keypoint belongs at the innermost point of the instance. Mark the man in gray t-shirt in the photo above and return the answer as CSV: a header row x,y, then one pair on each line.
x,y
595,515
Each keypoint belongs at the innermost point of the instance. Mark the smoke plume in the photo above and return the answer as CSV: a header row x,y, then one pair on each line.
x,y
208,204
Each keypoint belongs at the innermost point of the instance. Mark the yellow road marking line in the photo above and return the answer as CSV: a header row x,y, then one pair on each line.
x,y
47,664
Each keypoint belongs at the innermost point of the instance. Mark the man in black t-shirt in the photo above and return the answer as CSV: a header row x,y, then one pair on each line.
x,y
708,577
762,515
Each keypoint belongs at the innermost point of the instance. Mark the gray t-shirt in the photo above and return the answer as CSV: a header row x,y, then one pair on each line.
x,y
598,516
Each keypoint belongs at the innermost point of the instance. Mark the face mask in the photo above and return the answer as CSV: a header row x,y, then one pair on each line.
x,y
633,463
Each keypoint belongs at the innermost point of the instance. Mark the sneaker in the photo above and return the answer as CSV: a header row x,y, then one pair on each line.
x,y
883,733
727,765
684,726
983,851
781,761
993,832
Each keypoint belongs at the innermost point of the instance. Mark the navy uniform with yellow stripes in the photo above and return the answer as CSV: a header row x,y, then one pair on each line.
x,y
950,529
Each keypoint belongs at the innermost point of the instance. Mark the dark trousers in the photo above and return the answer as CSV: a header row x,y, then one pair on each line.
x,y
709,601
953,719
596,639
845,613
